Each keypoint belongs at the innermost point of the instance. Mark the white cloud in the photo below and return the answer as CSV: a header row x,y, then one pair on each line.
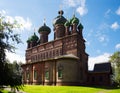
x,y
117,46
78,4
3,12
14,56
82,10
115,26
72,3
118,11
98,59
26,24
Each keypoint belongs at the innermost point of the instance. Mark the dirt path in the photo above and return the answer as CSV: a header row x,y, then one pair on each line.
x,y
104,91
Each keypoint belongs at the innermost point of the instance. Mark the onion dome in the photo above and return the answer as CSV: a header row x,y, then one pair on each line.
x,y
44,28
67,23
29,40
33,38
80,26
59,19
74,20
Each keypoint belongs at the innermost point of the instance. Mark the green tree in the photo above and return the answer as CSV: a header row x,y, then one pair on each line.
x,y
15,77
115,60
7,36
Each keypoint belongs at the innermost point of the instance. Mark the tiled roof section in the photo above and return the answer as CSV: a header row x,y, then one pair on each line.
x,y
102,67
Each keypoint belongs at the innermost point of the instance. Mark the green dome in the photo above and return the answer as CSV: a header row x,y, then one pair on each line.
x,y
29,40
44,28
80,26
33,38
59,19
67,23
74,20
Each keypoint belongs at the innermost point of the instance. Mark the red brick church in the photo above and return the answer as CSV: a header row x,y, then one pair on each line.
x,y
62,61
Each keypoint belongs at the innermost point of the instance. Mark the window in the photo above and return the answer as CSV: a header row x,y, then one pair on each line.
x,y
35,74
47,75
93,79
60,73
100,79
23,76
28,75
81,74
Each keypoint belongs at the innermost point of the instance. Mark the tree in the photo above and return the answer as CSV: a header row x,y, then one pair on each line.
x,y
14,76
115,60
6,37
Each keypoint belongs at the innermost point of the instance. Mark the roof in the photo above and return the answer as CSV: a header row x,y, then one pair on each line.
x,y
59,19
102,67
44,28
33,38
80,26
67,56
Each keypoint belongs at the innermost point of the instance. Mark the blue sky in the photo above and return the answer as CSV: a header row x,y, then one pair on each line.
x,y
100,18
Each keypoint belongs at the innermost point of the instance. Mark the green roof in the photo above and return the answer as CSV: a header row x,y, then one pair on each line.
x,y
44,28
67,23
33,38
59,19
80,26
74,20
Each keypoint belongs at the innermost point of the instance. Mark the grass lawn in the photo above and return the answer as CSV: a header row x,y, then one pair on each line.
x,y
4,91
65,89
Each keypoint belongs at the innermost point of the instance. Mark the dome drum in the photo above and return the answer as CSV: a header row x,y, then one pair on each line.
x,y
60,31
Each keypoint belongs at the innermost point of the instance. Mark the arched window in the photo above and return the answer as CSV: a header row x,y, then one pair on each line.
x,y
35,74
47,74
60,71
28,75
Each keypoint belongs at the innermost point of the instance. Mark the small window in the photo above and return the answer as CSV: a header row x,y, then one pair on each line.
x,y
23,76
81,74
100,79
35,74
87,79
93,79
28,76
60,74
60,71
47,75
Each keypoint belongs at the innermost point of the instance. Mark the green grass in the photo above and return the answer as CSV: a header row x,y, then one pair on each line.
x,y
67,89
4,91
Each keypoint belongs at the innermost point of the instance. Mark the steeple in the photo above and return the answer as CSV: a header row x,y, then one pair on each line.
x,y
33,40
58,23
44,31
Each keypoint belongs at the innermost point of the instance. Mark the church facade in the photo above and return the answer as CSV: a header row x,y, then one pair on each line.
x,y
62,61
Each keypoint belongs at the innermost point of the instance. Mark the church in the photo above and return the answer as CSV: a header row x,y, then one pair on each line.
x,y
62,61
